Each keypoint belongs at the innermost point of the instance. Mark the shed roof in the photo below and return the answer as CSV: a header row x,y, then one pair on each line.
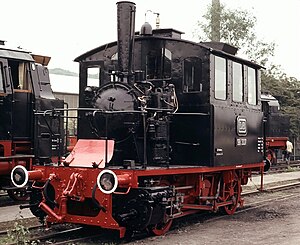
x,y
15,54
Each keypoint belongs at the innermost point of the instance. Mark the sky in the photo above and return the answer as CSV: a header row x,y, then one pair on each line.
x,y
65,29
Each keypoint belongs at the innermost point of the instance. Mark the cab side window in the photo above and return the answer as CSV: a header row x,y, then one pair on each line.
x,y
252,86
237,82
220,78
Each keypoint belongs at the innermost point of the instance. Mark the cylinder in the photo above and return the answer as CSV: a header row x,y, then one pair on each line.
x,y
126,25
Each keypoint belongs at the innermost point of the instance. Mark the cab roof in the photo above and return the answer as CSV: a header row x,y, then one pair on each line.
x,y
170,34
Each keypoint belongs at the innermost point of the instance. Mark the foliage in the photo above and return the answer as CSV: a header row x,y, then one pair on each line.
x,y
19,234
259,51
237,27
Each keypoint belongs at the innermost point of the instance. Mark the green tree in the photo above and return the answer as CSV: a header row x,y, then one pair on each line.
x,y
237,27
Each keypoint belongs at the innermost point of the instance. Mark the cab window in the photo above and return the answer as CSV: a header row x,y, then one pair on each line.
x,y
220,78
252,86
94,76
237,82
192,75
158,64
20,74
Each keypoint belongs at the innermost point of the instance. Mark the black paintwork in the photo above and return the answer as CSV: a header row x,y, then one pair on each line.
x,y
277,123
195,129
25,89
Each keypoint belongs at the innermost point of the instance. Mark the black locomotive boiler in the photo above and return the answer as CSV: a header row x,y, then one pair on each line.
x,y
25,139
169,128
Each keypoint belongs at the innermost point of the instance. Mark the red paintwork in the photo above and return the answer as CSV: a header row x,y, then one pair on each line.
x,y
7,147
276,142
272,144
9,159
35,175
87,153
74,183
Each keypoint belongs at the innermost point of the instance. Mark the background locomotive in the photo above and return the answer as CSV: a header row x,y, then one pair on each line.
x,y
276,128
171,128
24,90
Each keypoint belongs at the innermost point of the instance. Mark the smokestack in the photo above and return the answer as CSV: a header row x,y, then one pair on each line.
x,y
126,24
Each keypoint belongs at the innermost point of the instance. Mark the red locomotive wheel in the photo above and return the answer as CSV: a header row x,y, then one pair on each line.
x,y
18,194
233,193
230,192
161,229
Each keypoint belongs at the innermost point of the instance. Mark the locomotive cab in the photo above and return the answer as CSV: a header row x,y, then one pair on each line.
x,y
16,106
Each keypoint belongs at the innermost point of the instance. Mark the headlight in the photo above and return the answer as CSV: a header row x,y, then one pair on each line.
x,y
107,181
19,176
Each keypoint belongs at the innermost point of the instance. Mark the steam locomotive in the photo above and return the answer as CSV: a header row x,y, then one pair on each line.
x,y
169,128
25,90
276,128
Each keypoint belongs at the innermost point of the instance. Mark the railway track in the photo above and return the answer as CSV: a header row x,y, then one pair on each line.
x,y
55,235
7,201
272,189
282,186
283,166
75,235
46,238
